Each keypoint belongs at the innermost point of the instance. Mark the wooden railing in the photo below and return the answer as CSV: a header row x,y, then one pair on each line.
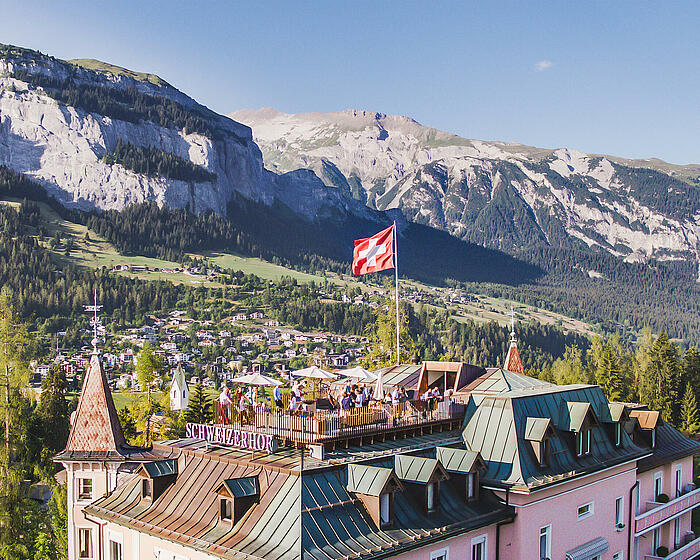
x,y
310,424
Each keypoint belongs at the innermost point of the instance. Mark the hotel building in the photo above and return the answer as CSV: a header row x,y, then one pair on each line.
x,y
506,467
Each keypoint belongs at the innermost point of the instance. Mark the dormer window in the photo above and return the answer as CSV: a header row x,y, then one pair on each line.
x,y
431,497
375,487
236,497
538,431
463,466
147,488
583,442
226,509
471,486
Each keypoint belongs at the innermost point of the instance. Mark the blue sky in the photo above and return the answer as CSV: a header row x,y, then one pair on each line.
x,y
619,77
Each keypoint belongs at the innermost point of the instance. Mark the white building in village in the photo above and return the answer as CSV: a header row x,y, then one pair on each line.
x,y
179,391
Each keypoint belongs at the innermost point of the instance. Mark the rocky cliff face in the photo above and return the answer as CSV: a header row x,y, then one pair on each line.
x,y
61,144
506,196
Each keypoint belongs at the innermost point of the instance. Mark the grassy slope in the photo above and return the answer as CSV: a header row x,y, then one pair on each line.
x,y
99,66
97,253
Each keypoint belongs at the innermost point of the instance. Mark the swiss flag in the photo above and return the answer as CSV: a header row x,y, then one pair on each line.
x,y
374,253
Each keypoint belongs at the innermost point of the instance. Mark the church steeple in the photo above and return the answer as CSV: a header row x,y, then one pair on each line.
x,y
95,432
513,362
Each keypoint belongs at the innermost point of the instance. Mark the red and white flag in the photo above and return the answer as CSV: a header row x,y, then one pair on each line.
x,y
374,253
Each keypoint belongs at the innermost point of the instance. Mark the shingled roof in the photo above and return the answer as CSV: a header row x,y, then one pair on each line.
x,y
513,362
96,433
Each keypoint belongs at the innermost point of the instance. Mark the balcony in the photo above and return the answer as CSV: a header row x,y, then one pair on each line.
x,y
686,552
657,513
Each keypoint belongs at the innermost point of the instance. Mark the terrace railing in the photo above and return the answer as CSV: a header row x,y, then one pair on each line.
x,y
314,425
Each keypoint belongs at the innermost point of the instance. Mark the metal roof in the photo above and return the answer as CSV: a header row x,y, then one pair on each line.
x,y
418,469
536,428
572,415
369,480
617,410
155,469
588,551
458,460
246,486
671,445
497,428
648,419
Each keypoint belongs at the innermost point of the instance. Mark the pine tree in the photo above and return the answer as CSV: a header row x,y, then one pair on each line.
x,y
689,416
199,409
609,374
128,424
147,365
691,369
53,410
663,378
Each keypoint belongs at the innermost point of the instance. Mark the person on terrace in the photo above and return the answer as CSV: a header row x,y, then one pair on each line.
x,y
225,405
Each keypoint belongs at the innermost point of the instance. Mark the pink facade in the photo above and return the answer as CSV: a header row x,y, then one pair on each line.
x,y
457,548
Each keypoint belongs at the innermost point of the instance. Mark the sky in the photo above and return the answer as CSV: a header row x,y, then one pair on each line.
x,y
619,78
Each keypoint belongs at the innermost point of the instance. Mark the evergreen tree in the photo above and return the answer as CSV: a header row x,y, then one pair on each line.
x,y
609,374
689,416
199,409
128,424
663,375
691,369
147,365
58,512
53,410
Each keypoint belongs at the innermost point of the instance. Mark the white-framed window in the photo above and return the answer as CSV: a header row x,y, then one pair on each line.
x,y
638,498
430,497
618,434
617,555
385,508
619,511
116,546
471,477
658,485
679,481
226,509
655,539
479,548
653,438
584,511
440,554
546,542
676,533
85,544
84,489
583,440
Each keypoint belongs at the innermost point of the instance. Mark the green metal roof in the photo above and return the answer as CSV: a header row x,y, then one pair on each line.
x,y
536,428
372,481
155,469
417,469
242,487
458,460
497,429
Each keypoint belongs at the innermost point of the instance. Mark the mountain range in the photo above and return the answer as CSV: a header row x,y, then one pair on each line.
x,y
501,195
600,238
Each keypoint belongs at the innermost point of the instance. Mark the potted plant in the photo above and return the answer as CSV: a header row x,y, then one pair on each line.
x,y
662,499
662,551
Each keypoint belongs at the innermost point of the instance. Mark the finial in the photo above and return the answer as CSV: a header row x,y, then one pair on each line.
x,y
95,322
512,323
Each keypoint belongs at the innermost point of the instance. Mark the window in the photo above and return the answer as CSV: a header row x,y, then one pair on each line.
x,y
471,493
586,510
226,510
85,489
617,556
656,540
546,542
479,548
384,509
84,543
638,499
618,434
115,550
676,533
441,554
619,513
653,437
658,485
147,488
679,481
430,497
583,442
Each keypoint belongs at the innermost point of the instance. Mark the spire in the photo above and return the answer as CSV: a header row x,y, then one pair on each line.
x,y
513,362
178,378
95,432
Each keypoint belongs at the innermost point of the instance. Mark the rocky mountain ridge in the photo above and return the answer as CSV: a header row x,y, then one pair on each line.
x,y
501,195
53,129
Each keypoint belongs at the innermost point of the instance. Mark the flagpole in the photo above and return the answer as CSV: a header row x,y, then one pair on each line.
x,y
396,274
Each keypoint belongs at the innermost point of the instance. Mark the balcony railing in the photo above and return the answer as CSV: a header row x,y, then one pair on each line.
x,y
658,513
314,425
684,553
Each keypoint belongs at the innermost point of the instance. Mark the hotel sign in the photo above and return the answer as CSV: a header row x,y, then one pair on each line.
x,y
232,437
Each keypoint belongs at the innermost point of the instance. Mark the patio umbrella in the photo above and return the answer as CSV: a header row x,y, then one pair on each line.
x,y
378,393
256,379
359,373
314,372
